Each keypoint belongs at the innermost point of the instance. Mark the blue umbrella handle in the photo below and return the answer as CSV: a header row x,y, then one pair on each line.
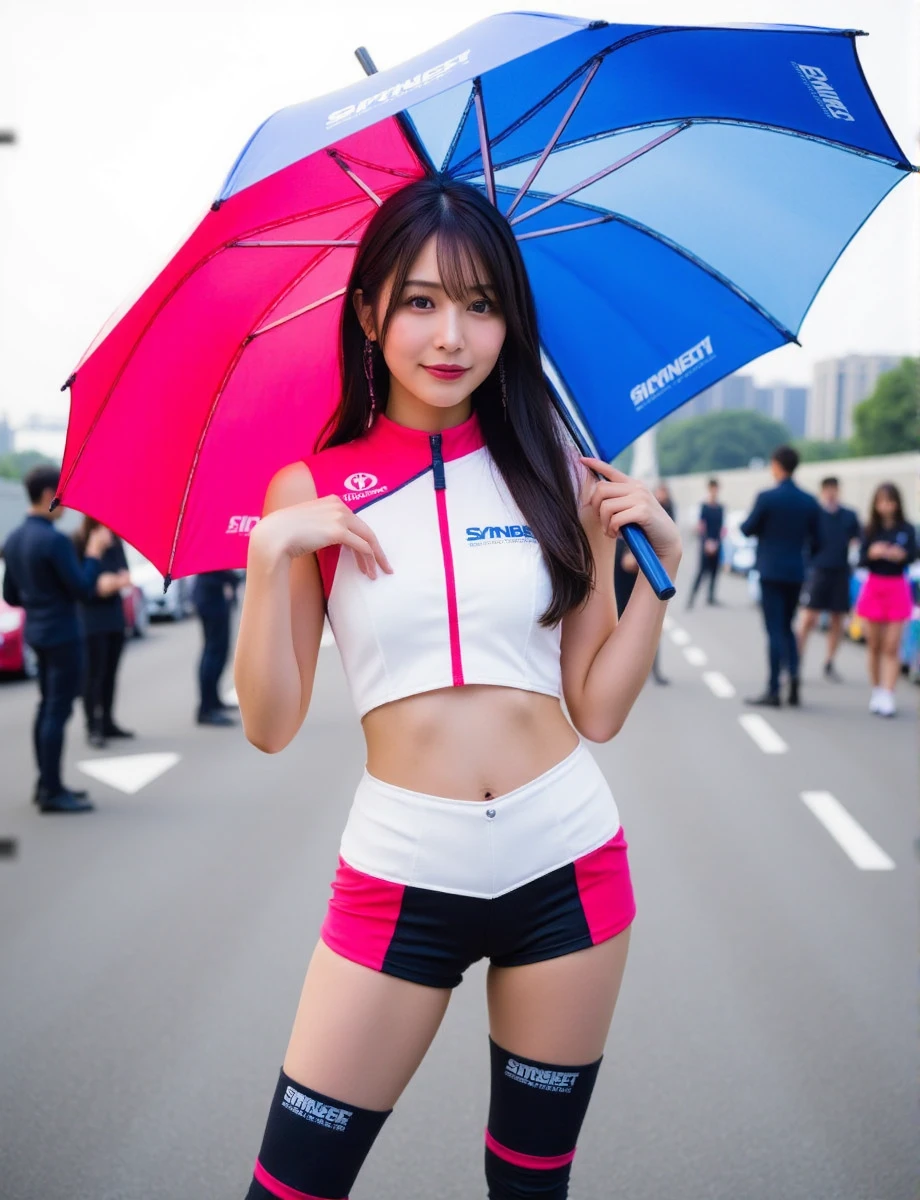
x,y
649,562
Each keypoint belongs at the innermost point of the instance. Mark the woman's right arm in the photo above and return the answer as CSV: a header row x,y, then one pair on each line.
x,y
281,622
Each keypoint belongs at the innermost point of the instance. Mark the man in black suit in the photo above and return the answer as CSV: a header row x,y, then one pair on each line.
x,y
785,520
44,576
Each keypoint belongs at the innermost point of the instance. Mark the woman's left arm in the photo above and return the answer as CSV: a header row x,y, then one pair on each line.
x,y
605,662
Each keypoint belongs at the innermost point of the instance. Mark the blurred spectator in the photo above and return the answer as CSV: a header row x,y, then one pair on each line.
x,y
213,594
889,545
827,588
785,520
710,527
44,576
102,619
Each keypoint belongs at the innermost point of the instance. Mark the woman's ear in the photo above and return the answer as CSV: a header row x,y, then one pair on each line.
x,y
365,314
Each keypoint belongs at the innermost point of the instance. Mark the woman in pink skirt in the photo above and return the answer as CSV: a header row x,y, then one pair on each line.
x,y
889,544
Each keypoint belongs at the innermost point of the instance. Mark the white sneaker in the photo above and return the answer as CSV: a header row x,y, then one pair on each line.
x,y
874,699
886,704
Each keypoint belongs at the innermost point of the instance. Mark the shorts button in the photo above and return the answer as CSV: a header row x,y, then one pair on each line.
x,y
490,813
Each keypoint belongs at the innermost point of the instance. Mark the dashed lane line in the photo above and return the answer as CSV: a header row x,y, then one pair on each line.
x,y
762,733
695,656
719,685
847,832
680,637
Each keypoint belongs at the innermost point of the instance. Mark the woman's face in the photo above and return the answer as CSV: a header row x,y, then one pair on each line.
x,y
886,505
429,330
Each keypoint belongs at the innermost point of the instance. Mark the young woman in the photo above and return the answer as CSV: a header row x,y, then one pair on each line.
x,y
102,621
465,558
889,544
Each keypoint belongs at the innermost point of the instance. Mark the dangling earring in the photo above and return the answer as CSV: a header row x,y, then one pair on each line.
x,y
369,375
502,384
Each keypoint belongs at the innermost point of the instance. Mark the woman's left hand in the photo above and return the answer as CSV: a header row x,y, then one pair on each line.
x,y
618,500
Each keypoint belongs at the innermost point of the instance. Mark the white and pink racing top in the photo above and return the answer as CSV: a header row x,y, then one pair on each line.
x,y
469,582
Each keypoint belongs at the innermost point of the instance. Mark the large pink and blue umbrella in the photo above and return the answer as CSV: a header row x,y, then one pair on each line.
x,y
679,195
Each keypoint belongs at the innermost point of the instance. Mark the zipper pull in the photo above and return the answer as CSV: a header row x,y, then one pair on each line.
x,y
437,462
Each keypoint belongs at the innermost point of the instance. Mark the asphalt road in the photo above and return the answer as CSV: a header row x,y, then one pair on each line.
x,y
765,1042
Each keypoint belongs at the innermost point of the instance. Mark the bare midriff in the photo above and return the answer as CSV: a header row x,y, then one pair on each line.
x,y
468,743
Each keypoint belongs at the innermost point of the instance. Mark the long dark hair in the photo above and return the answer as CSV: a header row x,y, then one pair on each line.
x,y
527,445
875,525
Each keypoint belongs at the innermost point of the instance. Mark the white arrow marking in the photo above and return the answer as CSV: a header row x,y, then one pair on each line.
x,y
129,772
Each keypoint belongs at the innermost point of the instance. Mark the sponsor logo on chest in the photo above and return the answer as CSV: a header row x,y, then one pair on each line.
x,y
361,485
498,535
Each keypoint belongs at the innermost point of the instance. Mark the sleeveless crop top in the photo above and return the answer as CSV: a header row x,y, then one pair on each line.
x,y
469,582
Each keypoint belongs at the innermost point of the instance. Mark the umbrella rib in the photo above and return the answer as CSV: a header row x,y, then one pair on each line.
x,y
299,313
622,162
484,148
316,242
339,161
550,145
523,237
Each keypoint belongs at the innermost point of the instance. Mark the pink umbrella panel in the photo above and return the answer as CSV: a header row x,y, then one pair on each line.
x,y
240,321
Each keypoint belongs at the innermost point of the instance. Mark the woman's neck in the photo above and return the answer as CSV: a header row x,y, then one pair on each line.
x,y
405,409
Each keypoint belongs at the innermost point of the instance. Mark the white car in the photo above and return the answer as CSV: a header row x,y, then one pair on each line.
x,y
173,605
738,552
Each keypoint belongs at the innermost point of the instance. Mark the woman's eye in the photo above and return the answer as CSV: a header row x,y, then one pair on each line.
x,y
419,302
482,306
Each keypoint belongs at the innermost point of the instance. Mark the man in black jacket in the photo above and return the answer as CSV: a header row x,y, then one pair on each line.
x,y
44,576
213,594
785,520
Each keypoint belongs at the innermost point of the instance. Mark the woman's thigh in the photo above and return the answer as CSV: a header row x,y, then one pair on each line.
x,y
559,1010
359,1035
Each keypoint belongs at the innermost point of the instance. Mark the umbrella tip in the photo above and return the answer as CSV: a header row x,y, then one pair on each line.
x,y
216,205
167,580
55,503
68,382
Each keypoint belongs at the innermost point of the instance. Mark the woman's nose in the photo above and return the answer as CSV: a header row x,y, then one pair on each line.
x,y
450,331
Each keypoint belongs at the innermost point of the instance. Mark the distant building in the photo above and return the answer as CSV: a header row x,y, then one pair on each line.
x,y
783,402
6,435
734,391
840,384
45,437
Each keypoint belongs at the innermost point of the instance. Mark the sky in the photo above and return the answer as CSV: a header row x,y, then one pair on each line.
x,y
129,114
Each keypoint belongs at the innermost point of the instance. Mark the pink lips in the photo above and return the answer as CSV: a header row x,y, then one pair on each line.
x,y
443,371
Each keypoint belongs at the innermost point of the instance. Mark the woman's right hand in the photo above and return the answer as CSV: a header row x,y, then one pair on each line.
x,y
314,524
877,550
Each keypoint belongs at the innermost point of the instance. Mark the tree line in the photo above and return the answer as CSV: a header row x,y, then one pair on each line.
x,y
887,422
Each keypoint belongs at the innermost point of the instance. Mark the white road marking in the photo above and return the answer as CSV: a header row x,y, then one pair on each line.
x,y
762,733
327,639
718,684
695,656
129,772
680,637
667,624
230,697
847,832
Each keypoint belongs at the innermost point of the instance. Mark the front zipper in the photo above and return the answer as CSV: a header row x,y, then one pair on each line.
x,y
440,492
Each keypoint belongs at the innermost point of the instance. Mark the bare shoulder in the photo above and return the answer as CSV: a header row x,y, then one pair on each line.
x,y
293,484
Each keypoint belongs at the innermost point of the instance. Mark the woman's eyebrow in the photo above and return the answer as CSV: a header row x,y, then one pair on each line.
x,y
476,287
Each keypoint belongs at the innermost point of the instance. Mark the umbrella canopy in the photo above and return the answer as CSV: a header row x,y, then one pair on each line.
x,y
679,195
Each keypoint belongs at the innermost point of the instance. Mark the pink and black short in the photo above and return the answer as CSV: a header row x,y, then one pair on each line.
x,y
426,885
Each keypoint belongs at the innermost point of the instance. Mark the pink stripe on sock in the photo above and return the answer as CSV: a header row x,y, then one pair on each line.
x,y
282,1190
534,1161
605,889
453,619
362,915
